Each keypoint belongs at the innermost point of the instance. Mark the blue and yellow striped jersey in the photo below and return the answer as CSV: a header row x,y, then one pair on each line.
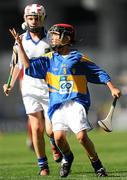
x,y
67,77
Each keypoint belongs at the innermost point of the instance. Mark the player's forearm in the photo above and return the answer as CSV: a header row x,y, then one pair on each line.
x,y
14,76
114,91
110,85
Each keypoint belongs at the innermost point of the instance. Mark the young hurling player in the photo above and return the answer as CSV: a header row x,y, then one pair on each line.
x,y
34,91
67,73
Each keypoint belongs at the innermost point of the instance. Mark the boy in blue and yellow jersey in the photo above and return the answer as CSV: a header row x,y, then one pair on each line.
x,y
67,74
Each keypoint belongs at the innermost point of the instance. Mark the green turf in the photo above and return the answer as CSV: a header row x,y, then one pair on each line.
x,y
17,162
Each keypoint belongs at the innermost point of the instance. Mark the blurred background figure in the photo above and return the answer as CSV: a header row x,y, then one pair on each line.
x,y
101,33
122,79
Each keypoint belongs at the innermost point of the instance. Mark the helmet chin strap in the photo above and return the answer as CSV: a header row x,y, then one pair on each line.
x,y
26,27
58,46
34,30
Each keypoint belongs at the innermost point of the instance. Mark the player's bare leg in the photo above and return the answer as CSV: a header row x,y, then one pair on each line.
x,y
57,155
37,123
90,150
60,139
29,140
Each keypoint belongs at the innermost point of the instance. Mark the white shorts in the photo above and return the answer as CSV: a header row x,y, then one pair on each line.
x,y
34,101
70,116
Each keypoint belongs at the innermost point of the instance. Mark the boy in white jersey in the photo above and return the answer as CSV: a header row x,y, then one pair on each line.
x,y
34,91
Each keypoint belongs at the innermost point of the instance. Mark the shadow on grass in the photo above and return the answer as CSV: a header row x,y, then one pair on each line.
x,y
110,173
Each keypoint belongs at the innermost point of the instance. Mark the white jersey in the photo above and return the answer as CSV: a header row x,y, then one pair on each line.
x,y
34,91
33,49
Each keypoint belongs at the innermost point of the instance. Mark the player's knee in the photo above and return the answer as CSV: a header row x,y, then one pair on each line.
x,y
49,132
37,131
82,137
59,136
48,128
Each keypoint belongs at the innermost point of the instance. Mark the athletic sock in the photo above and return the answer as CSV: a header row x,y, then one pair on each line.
x,y
42,162
97,165
52,141
68,157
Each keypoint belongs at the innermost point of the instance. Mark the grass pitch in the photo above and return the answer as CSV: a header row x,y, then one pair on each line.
x,y
17,162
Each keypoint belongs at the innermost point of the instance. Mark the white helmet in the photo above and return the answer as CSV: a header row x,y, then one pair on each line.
x,y
35,10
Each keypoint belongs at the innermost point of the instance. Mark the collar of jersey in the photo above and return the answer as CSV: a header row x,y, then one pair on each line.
x,y
71,52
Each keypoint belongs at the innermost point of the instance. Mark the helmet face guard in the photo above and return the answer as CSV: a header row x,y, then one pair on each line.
x,y
66,33
34,10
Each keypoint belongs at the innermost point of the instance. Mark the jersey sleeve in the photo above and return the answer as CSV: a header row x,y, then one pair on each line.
x,y
94,73
38,67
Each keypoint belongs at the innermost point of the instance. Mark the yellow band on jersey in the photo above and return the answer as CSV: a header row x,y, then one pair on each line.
x,y
79,82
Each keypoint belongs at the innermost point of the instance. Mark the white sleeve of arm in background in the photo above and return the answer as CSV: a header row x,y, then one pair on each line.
x,y
19,63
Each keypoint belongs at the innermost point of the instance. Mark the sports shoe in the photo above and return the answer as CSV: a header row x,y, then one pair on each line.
x,y
99,169
57,155
44,170
101,172
66,166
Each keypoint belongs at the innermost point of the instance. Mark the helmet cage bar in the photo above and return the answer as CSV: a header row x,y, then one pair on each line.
x,y
66,32
63,30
